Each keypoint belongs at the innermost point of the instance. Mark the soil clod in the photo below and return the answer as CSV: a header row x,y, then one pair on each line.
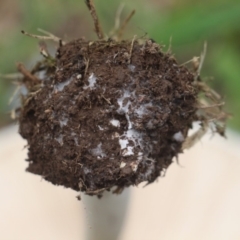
x,y
117,124
109,113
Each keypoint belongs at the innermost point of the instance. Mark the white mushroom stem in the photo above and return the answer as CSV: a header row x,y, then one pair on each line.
x,y
105,216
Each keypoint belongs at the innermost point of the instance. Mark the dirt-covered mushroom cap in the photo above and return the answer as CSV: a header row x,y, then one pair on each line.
x,y
111,114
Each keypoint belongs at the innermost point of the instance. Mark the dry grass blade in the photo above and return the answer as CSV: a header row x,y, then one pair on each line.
x,y
169,51
211,106
93,12
14,94
48,37
209,93
86,61
124,24
117,20
193,139
194,59
98,191
131,49
47,33
202,57
11,76
30,96
13,114
43,49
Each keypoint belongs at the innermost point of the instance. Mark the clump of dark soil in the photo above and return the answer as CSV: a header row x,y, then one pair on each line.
x,y
108,114
111,113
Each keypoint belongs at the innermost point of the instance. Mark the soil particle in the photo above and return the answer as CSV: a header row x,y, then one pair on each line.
x,y
104,117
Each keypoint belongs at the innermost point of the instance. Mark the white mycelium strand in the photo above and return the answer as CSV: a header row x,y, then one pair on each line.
x,y
98,151
60,86
115,122
92,81
178,137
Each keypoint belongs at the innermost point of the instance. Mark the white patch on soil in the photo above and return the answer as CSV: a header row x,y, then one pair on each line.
x,y
41,74
98,152
123,164
79,76
75,138
134,166
115,135
86,170
128,151
140,156
131,134
128,136
134,136
47,137
60,86
115,123
92,81
100,128
142,110
149,171
131,141
123,143
129,121
63,122
123,109
131,67
178,137
59,139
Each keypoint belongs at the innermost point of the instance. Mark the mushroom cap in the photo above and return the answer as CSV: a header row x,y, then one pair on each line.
x,y
108,114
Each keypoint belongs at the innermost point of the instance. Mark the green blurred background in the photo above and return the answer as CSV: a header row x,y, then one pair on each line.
x,y
188,23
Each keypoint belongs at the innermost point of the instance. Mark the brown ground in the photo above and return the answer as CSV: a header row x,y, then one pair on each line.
x,y
107,117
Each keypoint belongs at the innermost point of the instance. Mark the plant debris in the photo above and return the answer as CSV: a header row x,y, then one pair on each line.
x,y
111,113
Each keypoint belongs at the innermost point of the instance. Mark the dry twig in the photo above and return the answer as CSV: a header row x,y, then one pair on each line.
x,y
11,76
169,51
49,36
124,24
200,64
194,138
131,49
93,12
14,94
117,20
21,68
211,106
86,61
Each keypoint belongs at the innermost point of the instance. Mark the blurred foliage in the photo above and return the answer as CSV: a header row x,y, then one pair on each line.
x,y
188,23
